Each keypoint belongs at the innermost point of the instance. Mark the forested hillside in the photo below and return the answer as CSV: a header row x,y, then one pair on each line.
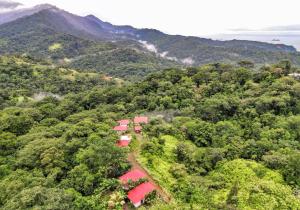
x,y
24,79
198,51
39,36
89,44
220,137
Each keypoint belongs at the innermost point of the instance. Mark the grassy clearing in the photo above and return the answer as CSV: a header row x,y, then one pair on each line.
x,y
161,165
20,99
71,74
55,47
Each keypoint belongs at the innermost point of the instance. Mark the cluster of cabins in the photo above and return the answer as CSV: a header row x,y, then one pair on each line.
x,y
138,194
123,128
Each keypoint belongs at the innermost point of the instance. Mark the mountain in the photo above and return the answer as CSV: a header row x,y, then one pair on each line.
x,y
71,40
59,20
89,43
16,14
85,27
195,50
201,51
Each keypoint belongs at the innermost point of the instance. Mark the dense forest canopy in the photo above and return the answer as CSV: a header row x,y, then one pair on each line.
x,y
220,137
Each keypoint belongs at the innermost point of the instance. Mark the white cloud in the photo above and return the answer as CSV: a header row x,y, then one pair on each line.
x,y
188,61
6,4
152,48
149,46
164,55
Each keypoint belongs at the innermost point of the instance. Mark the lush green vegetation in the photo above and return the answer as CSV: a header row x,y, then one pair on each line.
x,y
40,37
221,137
24,79
125,63
232,142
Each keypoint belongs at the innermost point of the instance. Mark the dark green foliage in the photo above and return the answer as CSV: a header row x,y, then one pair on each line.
x,y
232,199
150,197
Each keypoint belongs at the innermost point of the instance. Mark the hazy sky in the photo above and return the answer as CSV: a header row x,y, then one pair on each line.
x,y
186,17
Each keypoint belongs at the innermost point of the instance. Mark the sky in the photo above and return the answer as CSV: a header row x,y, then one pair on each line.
x,y
186,17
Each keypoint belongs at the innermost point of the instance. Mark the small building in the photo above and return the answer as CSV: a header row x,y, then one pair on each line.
x,y
123,143
138,129
124,122
125,138
140,120
137,195
120,128
133,175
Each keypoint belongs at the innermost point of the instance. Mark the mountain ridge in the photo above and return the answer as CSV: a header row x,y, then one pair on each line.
x,y
183,50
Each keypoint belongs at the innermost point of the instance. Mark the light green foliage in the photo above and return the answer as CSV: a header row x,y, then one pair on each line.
x,y
55,47
116,201
22,77
256,187
162,164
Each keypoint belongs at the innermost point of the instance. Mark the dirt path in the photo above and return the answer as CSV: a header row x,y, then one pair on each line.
x,y
136,165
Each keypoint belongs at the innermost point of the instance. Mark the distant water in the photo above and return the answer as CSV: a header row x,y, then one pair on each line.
x,y
274,37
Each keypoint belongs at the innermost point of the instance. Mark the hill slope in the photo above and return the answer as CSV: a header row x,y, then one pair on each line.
x,y
201,51
59,35
46,35
219,137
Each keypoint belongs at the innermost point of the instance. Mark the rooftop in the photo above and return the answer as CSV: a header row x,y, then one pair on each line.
x,y
140,119
140,192
123,143
137,128
124,122
120,128
133,175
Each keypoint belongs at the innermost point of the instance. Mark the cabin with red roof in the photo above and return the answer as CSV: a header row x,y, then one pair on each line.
x,y
133,175
140,120
138,129
137,195
123,143
124,122
120,128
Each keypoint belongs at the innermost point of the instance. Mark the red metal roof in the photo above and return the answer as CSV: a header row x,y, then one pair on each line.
x,y
140,120
138,128
140,192
120,128
123,143
124,122
133,175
